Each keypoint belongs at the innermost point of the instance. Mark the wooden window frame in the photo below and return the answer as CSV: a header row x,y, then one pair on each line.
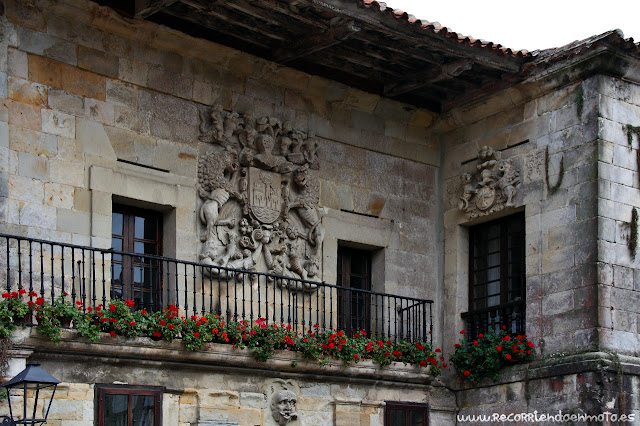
x,y
509,307
130,391
345,314
128,240
405,406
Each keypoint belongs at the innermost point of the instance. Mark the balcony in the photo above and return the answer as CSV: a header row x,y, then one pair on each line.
x,y
95,276
509,316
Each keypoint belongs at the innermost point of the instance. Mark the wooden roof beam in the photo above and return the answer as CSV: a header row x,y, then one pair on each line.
x,y
146,8
316,42
432,75
393,27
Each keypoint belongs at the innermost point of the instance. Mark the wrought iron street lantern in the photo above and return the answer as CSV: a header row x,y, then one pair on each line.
x,y
28,384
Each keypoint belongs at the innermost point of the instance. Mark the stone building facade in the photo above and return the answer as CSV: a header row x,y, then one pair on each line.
x,y
100,111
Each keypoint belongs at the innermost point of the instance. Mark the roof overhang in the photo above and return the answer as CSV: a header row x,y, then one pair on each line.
x,y
360,43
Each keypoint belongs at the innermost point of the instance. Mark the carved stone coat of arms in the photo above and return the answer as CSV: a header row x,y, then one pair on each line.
x,y
259,196
492,188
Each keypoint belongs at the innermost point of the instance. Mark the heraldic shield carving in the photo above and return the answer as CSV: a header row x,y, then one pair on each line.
x,y
259,196
494,187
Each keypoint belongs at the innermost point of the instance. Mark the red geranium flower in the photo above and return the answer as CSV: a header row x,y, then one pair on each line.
x,y
171,326
163,323
467,372
498,348
22,291
457,345
423,363
157,334
475,343
112,333
112,308
462,331
130,303
196,334
508,356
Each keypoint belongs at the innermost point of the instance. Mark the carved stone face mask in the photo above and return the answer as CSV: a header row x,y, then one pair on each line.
x,y
283,407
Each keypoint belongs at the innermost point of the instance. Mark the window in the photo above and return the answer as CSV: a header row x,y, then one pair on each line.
x,y
136,277
497,276
129,405
354,273
405,414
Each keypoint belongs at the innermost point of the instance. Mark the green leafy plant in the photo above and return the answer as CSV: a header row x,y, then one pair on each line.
x,y
485,356
263,339
164,325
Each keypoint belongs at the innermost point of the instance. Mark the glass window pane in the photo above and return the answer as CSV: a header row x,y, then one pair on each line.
x,y
397,418
115,410
416,417
116,272
116,224
139,227
359,283
143,410
358,265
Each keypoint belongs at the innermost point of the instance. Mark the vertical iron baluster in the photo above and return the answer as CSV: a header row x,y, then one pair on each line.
x,y
219,294
330,308
20,268
195,296
93,281
30,271
309,320
266,297
186,289
244,299
301,288
104,282
228,312
204,299
250,298
161,287
83,290
42,272
62,270
289,303
8,284
281,281
235,296
177,280
210,290
374,329
430,325
317,321
259,296
53,293
274,298
324,307
382,298
343,314
73,275
388,317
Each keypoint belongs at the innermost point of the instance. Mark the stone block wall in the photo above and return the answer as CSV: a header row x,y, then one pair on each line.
x,y
86,93
619,195
558,127
223,386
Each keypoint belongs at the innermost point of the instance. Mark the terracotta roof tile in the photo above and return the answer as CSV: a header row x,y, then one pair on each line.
x,y
436,28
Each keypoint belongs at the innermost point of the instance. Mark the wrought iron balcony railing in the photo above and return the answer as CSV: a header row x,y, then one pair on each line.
x,y
95,276
511,316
